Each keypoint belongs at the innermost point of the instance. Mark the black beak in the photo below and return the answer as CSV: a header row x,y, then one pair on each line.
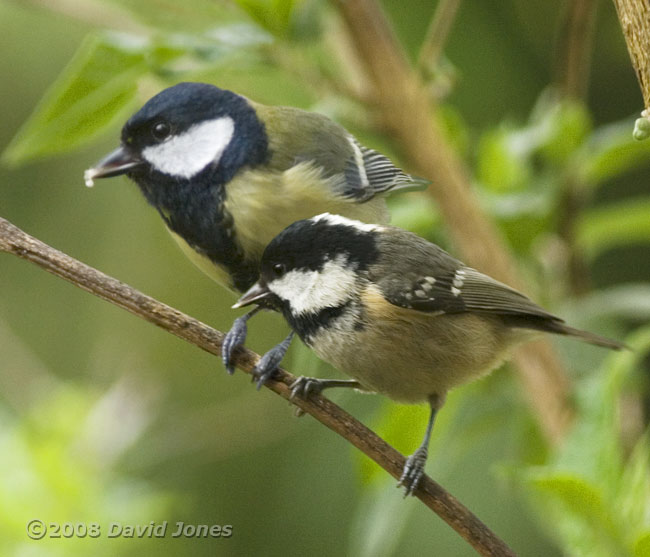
x,y
118,162
259,291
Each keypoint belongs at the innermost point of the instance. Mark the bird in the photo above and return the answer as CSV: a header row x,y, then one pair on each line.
x,y
227,174
395,312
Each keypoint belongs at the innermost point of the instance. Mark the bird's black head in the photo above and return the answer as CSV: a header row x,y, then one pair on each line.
x,y
191,132
314,265
192,129
307,245
181,148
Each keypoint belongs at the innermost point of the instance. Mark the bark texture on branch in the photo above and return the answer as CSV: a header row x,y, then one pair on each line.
x,y
409,114
460,518
634,16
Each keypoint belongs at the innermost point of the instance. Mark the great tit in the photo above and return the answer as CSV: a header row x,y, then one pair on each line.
x,y
228,174
395,312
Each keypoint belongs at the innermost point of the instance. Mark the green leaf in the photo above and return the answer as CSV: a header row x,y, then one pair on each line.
x,y
502,165
273,15
95,88
593,502
602,228
522,215
642,546
403,427
458,425
417,213
630,301
263,83
567,126
634,500
580,497
189,15
580,515
380,518
612,151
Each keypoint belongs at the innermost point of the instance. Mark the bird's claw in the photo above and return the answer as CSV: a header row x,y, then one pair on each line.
x,y
269,362
235,337
268,365
305,386
413,471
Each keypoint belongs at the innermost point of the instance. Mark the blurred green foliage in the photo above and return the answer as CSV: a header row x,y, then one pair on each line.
x,y
597,498
104,419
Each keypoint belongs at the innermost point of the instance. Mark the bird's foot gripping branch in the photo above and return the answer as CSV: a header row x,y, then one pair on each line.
x,y
16,242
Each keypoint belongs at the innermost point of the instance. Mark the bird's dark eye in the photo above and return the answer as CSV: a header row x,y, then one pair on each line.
x,y
279,269
161,131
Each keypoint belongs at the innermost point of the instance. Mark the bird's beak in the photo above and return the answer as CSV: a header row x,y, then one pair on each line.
x,y
118,162
259,291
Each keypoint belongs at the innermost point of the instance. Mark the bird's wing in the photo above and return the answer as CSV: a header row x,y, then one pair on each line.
x,y
368,172
425,278
358,173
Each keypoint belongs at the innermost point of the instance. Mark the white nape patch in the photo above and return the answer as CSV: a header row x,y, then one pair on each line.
x,y
338,219
358,158
186,154
312,291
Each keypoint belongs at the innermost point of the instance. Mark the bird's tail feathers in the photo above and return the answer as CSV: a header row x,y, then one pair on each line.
x,y
551,324
586,336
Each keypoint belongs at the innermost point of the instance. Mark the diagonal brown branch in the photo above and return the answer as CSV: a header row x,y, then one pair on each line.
x,y
407,111
16,242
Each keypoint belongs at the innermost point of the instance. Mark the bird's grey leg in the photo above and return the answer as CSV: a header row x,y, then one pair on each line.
x,y
305,386
414,467
235,337
270,361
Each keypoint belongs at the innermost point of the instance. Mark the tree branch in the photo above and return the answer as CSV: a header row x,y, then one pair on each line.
x,y
410,115
634,16
16,242
437,33
575,48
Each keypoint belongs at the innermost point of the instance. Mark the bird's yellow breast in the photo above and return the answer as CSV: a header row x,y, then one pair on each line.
x,y
216,272
263,204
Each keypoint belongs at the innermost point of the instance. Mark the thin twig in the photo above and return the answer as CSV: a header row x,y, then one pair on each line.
x,y
575,48
408,112
16,242
574,61
570,208
437,33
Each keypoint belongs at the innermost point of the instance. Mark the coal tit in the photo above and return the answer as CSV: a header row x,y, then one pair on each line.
x,y
227,175
395,312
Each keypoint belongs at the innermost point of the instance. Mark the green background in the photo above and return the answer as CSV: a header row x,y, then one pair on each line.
x,y
104,418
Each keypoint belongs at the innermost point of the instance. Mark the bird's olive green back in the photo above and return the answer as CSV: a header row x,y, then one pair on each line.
x,y
298,136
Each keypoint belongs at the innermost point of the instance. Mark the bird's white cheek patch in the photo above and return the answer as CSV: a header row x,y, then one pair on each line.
x,y
312,291
188,153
